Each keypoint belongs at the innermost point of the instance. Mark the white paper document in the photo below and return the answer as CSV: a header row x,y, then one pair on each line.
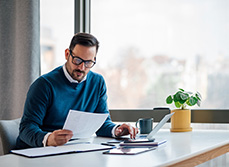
x,y
84,124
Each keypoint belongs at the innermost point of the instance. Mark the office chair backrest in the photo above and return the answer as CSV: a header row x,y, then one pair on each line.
x,y
9,130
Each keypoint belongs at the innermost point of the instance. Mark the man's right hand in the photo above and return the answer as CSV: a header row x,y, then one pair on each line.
x,y
59,137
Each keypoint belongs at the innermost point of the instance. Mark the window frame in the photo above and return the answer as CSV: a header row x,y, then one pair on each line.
x,y
197,116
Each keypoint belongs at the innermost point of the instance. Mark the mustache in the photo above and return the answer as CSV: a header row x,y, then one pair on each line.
x,y
79,71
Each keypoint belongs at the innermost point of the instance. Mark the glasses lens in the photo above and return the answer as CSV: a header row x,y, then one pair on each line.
x,y
89,64
77,61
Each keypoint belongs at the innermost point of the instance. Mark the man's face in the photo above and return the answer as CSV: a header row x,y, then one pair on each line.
x,y
78,72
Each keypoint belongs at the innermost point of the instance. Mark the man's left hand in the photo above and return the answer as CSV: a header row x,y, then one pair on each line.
x,y
126,129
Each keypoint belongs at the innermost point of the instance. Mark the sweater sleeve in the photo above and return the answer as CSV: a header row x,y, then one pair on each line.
x,y
106,128
37,101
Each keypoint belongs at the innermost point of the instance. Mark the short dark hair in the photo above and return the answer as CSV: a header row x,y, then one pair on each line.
x,y
84,39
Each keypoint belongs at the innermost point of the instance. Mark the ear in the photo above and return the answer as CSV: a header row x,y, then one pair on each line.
x,y
67,54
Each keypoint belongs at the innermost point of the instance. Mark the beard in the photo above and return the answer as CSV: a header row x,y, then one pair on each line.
x,y
78,75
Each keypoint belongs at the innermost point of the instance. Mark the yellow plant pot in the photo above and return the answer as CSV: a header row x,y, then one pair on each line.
x,y
181,121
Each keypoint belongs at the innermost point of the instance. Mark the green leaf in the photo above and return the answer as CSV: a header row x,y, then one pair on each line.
x,y
177,104
176,97
198,96
188,103
181,89
193,100
182,101
169,100
184,96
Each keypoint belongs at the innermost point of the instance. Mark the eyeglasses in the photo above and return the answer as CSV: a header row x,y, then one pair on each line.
x,y
77,61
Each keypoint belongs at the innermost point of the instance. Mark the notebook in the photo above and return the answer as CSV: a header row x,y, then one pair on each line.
x,y
65,149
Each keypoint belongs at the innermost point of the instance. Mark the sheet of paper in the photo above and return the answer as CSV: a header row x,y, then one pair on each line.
x,y
84,124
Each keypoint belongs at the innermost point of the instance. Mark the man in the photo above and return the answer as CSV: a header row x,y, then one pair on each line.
x,y
72,86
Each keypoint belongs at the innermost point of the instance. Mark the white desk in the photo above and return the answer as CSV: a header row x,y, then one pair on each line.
x,y
187,149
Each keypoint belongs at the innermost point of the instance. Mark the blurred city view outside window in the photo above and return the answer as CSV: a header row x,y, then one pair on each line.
x,y
150,49
56,31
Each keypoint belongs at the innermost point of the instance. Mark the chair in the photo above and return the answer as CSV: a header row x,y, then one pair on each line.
x,y
9,130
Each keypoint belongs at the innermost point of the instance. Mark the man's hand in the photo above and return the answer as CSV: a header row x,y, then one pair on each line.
x,y
126,129
59,137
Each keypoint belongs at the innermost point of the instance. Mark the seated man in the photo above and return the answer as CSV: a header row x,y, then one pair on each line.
x,y
71,86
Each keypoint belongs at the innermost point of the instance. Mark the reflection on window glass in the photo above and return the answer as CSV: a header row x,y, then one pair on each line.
x,y
57,29
149,50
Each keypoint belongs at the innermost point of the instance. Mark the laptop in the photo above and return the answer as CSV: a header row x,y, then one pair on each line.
x,y
159,126
145,138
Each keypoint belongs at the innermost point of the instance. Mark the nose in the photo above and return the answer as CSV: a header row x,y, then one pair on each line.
x,y
81,66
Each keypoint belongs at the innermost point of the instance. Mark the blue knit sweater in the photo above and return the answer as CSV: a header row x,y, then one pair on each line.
x,y
49,100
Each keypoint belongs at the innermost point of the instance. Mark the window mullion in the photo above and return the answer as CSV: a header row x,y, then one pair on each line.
x,y
82,16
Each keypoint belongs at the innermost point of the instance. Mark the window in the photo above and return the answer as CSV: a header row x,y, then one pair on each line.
x,y
57,29
150,49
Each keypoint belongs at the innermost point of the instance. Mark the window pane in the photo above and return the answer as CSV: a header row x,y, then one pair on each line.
x,y
57,29
150,49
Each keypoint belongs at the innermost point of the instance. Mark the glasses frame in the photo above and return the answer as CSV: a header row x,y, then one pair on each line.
x,y
82,61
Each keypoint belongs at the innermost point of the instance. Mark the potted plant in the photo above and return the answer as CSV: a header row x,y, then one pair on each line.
x,y
181,120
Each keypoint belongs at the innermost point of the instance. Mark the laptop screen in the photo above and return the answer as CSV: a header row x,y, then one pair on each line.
x,y
159,125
